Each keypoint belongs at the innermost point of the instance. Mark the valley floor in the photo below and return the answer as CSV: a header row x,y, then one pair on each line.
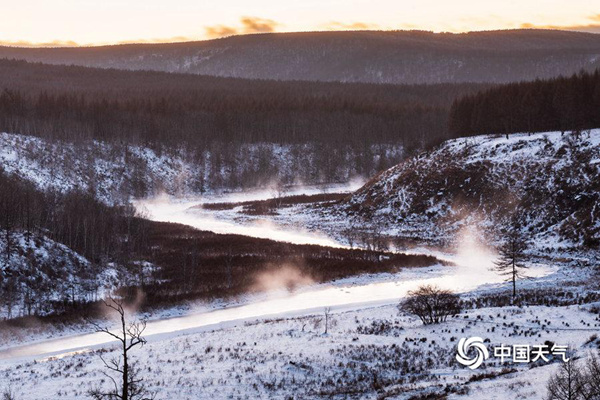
x,y
368,351
279,347
367,354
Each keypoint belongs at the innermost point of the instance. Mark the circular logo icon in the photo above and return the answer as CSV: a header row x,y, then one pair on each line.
x,y
464,347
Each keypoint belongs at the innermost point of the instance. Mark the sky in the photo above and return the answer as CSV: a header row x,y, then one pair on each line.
x,y
95,22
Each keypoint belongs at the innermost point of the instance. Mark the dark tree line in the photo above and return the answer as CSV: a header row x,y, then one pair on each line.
x,y
75,219
156,108
560,104
101,233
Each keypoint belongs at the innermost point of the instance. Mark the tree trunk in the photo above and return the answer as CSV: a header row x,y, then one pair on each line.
x,y
514,280
125,377
125,393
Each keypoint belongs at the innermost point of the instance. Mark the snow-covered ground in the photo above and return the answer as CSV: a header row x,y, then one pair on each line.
x,y
272,346
367,353
41,271
114,172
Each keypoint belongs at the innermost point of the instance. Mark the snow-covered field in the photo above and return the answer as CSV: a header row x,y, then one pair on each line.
x,y
272,345
367,353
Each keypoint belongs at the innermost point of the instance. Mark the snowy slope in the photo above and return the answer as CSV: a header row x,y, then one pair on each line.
x,y
108,171
115,172
39,273
551,180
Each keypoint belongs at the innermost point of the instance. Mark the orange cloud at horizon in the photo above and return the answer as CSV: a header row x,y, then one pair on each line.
x,y
52,43
253,24
93,22
592,27
248,25
352,26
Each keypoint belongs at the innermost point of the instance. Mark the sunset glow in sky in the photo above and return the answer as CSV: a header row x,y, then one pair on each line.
x,y
115,21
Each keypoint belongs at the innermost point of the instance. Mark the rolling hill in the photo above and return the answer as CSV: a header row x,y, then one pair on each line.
x,y
549,181
399,57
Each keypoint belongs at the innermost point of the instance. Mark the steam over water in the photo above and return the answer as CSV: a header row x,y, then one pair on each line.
x,y
473,268
169,209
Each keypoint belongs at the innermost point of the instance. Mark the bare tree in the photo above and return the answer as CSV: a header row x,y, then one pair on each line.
x,y
431,304
279,192
591,385
8,394
512,254
350,235
129,335
327,312
567,383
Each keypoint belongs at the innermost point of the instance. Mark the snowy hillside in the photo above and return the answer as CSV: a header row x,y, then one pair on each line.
x,y
38,274
114,172
551,181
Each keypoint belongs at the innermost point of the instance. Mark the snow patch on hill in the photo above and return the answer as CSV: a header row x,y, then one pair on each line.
x,y
551,180
114,172
39,273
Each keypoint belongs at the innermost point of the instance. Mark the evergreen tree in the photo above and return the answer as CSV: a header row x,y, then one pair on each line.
x,y
512,255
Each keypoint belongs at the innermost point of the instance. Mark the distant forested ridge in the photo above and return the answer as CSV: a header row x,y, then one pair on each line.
x,y
329,132
559,104
161,108
397,57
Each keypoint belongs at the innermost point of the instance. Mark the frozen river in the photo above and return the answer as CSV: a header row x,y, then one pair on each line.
x,y
473,264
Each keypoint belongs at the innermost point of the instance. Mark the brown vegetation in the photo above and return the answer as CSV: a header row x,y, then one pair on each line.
x,y
199,264
269,206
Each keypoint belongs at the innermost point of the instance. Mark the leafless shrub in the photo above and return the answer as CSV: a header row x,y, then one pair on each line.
x,y
431,304
574,381
8,394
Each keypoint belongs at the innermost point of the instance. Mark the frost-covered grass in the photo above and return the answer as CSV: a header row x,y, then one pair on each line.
x,y
366,354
